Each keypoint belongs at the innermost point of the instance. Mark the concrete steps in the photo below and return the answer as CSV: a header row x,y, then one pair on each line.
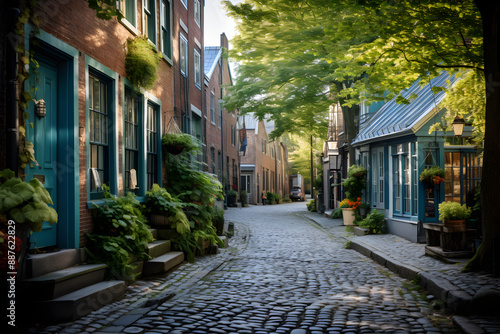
x,y
59,287
61,282
81,302
162,263
163,259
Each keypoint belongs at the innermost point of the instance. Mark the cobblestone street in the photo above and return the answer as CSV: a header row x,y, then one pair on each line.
x,y
281,274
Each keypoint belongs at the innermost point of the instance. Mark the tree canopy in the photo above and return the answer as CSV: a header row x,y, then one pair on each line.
x,y
298,57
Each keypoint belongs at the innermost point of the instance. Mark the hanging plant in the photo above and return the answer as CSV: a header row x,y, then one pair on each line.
x,y
176,143
141,62
432,176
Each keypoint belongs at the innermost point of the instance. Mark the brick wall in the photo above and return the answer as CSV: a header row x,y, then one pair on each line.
x,y
74,23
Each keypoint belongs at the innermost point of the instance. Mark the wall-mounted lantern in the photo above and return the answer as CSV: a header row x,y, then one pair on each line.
x,y
458,126
40,108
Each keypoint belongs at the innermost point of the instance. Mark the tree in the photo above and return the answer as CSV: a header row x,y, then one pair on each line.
x,y
490,183
356,51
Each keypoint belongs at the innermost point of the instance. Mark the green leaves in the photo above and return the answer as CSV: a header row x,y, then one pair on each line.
x,y
25,202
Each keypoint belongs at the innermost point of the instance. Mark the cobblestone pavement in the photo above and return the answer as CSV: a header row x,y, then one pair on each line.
x,y
282,273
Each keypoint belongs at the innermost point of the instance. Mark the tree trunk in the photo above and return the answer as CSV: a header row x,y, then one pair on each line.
x,y
349,114
490,183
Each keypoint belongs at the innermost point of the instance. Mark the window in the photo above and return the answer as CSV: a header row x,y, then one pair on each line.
x,y
166,36
197,69
233,136
197,12
219,165
212,158
150,20
404,186
463,175
128,10
212,107
131,135
185,3
98,134
152,145
220,114
183,55
245,183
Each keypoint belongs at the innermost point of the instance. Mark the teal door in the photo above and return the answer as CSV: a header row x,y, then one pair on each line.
x,y
44,137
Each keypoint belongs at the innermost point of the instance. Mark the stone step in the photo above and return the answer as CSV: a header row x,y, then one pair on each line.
x,y
79,303
162,263
158,247
64,281
41,264
154,232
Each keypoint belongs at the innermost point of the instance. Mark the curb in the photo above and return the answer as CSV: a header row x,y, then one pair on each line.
x,y
455,299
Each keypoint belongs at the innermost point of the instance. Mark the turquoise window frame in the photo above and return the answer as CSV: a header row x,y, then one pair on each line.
x,y
149,29
166,29
126,84
112,78
156,103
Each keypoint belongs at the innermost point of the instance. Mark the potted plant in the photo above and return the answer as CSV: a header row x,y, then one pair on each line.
x,y
231,197
452,213
349,210
432,176
364,208
244,197
357,171
176,143
25,204
166,210
374,222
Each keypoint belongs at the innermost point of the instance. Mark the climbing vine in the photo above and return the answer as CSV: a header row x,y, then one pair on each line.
x,y
28,70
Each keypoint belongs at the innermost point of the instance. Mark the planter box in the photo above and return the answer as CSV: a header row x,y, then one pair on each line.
x,y
348,216
157,219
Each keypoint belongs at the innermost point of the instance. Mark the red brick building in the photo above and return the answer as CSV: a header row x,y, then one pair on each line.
x,y
99,128
264,165
188,45
220,126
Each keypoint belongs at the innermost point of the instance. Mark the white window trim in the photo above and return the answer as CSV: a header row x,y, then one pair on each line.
x,y
197,76
185,3
197,6
183,38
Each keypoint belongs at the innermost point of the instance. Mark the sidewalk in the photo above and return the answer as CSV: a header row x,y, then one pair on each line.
x,y
463,293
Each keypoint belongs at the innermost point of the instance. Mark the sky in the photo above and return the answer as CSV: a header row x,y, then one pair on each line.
x,y
217,22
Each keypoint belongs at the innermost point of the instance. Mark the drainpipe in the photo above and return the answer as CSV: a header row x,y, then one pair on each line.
x,y
12,119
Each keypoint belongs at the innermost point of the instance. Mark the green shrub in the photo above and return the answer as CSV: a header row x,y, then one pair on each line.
x,y
270,197
120,233
453,211
311,205
375,222
355,183
337,213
